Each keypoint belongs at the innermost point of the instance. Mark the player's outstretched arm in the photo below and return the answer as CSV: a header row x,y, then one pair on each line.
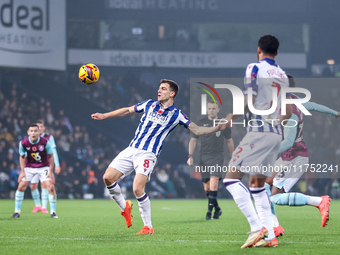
x,y
199,130
311,106
117,113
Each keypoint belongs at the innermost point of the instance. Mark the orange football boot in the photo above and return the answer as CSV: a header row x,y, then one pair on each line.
x,y
324,210
127,213
146,231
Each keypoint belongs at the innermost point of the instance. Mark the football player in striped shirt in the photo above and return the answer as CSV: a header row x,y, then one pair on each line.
x,y
158,119
260,146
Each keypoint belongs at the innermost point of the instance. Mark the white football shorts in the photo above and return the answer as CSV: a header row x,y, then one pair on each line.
x,y
291,172
256,153
143,162
40,173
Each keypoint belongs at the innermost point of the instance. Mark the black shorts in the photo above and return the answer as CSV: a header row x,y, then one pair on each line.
x,y
211,165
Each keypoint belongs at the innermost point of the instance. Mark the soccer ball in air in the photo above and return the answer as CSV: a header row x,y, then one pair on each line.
x,y
89,73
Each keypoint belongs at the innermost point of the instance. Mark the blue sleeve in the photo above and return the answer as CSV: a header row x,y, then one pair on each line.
x,y
141,106
22,151
49,148
311,106
250,80
55,153
184,120
289,134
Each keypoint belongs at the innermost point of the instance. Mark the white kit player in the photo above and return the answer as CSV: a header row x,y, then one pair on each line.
x,y
294,163
158,120
260,146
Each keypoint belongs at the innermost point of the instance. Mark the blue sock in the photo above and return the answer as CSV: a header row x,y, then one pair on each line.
x,y
291,199
19,197
269,192
53,203
44,198
36,197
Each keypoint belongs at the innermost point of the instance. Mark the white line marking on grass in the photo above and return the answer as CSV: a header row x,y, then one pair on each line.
x,y
151,240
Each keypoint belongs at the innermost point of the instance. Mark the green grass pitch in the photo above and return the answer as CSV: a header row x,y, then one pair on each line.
x,y
96,227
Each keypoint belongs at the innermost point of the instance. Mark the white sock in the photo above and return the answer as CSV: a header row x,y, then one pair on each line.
x,y
262,204
242,198
145,209
275,221
116,195
314,201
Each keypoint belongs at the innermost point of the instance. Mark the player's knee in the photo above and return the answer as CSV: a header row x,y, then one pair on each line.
x,y
34,186
138,191
50,189
22,187
107,179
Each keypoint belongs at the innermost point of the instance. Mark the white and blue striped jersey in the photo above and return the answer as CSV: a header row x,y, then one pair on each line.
x,y
155,125
262,77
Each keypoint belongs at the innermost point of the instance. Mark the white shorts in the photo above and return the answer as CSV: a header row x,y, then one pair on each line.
x,y
256,153
40,173
131,159
291,172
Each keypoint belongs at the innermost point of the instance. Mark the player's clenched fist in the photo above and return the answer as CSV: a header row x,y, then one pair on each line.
x,y
97,116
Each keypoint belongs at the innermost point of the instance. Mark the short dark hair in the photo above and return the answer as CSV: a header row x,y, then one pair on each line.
x,y
32,125
269,44
291,80
173,86
40,121
212,102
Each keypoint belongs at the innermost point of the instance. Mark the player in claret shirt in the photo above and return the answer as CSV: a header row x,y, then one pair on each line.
x,y
35,181
36,158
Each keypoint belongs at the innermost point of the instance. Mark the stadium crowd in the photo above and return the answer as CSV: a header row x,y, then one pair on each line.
x,y
90,153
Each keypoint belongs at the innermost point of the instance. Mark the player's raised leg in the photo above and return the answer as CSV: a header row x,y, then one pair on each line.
x,y
110,179
299,199
35,194
143,203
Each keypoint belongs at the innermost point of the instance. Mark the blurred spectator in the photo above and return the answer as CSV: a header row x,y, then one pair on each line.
x,y
166,183
180,185
335,189
92,182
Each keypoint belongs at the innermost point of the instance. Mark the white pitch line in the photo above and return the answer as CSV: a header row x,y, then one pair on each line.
x,y
143,240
